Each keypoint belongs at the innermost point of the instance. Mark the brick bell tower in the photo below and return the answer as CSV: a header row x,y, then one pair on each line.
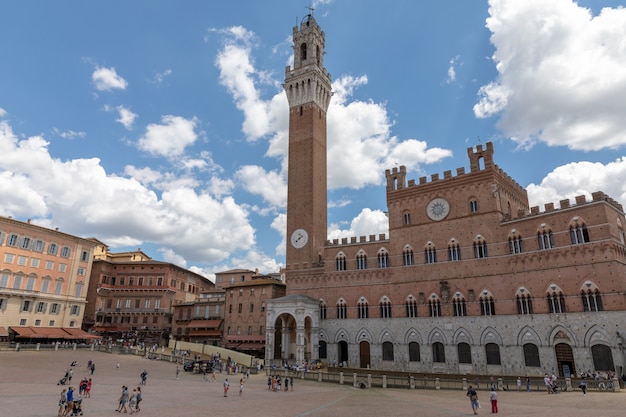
x,y
308,90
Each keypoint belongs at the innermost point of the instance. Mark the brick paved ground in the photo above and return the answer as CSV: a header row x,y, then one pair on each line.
x,y
28,388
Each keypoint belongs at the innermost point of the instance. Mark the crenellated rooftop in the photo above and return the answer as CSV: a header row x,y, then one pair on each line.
x,y
382,237
566,204
396,177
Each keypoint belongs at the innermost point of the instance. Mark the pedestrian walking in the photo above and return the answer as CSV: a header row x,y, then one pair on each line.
x,y
177,371
286,384
528,384
139,398
132,402
62,402
123,400
226,386
241,387
473,396
519,383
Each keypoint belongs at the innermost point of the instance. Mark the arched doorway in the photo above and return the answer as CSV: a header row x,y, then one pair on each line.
x,y
342,352
565,360
364,354
285,337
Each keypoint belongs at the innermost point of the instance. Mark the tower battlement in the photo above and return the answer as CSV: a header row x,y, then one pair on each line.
x,y
396,177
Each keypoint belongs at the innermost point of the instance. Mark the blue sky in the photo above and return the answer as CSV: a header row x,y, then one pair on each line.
x,y
161,125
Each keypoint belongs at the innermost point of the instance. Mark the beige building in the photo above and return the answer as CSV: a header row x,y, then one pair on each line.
x,y
44,275
132,297
470,280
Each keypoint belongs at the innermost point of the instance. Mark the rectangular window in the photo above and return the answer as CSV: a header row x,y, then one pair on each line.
x,y
53,248
8,258
13,239
84,256
118,304
4,280
79,289
251,308
25,243
80,272
240,309
30,283
22,260
58,287
147,303
17,282
27,305
54,308
51,323
155,319
22,322
38,246
44,285
41,307
157,303
37,322
66,252
34,262
62,267
75,310
137,303
49,265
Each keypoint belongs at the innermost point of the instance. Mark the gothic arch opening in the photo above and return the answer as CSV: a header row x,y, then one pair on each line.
x,y
284,337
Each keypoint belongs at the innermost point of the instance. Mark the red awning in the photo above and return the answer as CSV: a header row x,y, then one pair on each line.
x,y
23,332
78,334
50,333
3,332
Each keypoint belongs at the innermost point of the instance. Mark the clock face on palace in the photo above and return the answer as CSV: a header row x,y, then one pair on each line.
x,y
438,209
299,238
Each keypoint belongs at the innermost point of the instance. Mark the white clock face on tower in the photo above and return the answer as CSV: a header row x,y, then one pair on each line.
x,y
438,209
299,238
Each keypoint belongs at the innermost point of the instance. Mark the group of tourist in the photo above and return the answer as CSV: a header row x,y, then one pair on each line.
x,y
274,383
132,399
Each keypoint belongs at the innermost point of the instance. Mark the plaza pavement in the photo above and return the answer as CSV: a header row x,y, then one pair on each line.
x,y
28,388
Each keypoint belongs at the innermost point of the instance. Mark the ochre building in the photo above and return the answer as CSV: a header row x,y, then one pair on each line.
x,y
44,275
470,279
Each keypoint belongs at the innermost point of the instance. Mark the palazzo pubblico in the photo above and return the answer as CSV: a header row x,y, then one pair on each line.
x,y
470,279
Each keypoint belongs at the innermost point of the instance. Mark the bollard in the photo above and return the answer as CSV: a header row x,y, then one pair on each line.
x,y
341,379
384,380
437,383
464,384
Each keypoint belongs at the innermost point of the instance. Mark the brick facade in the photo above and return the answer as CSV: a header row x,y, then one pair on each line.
x,y
470,280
